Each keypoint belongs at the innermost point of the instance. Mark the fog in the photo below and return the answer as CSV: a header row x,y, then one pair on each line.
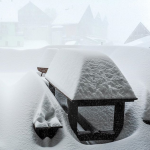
x,y
59,22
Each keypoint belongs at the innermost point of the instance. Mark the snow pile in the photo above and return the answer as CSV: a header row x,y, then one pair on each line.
x,y
45,116
47,58
81,74
137,58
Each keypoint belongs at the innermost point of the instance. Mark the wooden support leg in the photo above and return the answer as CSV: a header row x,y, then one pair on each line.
x,y
52,89
73,114
118,117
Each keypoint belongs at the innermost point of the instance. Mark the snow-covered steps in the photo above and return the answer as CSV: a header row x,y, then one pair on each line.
x,y
90,78
45,121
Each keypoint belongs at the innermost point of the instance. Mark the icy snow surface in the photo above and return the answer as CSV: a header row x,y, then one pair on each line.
x,y
84,74
20,100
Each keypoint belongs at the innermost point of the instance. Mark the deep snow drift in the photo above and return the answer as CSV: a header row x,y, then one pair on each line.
x,y
20,101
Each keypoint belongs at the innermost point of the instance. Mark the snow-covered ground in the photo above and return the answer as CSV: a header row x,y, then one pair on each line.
x,y
142,42
30,44
22,91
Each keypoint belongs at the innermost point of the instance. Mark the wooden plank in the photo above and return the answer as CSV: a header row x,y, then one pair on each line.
x,y
95,102
118,118
105,135
43,70
91,133
73,115
52,89
86,125
102,102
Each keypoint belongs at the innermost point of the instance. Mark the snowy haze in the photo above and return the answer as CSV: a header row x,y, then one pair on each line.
x,y
22,93
122,15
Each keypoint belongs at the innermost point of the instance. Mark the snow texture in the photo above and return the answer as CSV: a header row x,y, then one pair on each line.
x,y
47,58
19,102
81,74
45,116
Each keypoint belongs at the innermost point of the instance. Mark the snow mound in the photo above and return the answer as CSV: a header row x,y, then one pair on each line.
x,y
12,60
47,57
84,74
45,116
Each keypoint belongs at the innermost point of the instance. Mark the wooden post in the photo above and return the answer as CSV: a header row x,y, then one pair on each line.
x,y
73,114
52,89
118,117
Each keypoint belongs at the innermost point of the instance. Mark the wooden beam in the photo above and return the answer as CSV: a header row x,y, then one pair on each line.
x,y
118,118
73,115
52,89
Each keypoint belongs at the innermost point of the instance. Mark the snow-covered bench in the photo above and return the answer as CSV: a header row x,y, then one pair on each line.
x,y
89,78
45,121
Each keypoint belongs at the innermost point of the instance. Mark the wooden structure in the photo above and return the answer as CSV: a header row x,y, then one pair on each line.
x,y
74,72
42,70
46,60
46,131
91,133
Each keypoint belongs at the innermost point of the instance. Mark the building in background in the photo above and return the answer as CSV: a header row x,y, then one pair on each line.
x,y
10,35
139,32
80,27
34,22
100,27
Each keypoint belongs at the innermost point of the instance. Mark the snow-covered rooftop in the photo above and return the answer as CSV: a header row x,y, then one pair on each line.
x,y
70,15
142,42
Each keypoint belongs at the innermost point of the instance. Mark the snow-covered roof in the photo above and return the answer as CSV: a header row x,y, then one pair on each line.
x,y
83,74
139,32
142,42
71,15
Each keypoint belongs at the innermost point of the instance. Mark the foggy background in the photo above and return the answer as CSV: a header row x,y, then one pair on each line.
x,y
115,22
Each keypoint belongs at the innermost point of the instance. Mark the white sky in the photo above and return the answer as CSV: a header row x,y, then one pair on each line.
x,y
122,15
